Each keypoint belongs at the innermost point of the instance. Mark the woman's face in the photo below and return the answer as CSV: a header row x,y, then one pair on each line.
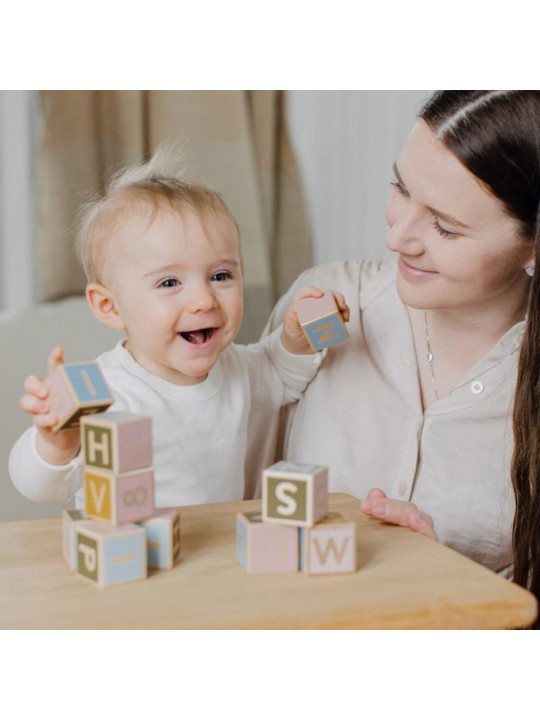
x,y
458,249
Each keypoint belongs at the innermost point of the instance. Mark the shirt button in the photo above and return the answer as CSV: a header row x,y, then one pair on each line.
x,y
477,387
402,489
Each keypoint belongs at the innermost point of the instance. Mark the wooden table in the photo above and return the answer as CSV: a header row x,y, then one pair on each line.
x,y
403,581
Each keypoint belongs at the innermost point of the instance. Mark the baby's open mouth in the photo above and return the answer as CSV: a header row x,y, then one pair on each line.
x,y
198,337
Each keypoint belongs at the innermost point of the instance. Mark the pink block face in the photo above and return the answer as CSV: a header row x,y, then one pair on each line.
x,y
61,400
320,495
310,309
134,444
330,549
274,548
134,497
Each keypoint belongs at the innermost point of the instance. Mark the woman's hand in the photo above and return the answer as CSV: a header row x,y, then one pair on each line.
x,y
397,512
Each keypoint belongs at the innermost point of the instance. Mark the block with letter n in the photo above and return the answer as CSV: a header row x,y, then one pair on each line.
x,y
263,547
117,441
110,555
321,321
119,498
76,390
294,493
329,546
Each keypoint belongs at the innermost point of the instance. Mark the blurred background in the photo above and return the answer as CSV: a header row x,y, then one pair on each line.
x,y
306,174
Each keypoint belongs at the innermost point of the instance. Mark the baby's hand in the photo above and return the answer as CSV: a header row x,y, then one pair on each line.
x,y
59,447
292,335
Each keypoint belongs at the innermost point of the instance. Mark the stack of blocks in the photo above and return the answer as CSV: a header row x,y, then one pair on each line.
x,y
120,534
295,530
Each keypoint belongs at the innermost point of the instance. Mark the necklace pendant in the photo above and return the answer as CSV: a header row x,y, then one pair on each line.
x,y
430,357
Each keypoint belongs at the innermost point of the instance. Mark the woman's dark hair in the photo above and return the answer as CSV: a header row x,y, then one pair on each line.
x,y
496,136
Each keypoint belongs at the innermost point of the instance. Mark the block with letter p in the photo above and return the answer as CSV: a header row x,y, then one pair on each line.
x,y
329,546
117,441
321,321
294,493
119,497
76,390
163,538
110,555
264,548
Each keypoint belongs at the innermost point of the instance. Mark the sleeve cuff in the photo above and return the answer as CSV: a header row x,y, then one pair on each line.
x,y
292,361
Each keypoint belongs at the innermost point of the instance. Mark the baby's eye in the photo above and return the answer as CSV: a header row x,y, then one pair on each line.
x,y
222,276
168,283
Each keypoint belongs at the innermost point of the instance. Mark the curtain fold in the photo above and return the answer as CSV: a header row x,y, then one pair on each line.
x,y
234,141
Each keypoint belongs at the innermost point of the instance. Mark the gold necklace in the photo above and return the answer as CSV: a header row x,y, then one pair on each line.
x,y
430,357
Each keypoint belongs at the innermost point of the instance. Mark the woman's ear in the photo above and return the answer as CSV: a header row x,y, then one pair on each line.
x,y
103,306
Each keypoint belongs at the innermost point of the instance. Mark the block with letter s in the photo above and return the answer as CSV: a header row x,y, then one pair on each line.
x,y
294,493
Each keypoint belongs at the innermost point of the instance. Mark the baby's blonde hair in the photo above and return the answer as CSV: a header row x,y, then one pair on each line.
x,y
150,187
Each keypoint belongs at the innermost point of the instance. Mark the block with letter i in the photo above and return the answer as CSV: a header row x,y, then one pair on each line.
x,y
163,538
110,555
76,390
329,546
321,321
265,548
294,493
118,473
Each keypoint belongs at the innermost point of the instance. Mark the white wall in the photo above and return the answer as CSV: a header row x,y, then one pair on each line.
x,y
345,144
18,118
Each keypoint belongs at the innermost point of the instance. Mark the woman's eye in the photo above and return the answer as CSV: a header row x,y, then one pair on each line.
x,y
399,187
168,283
443,232
221,276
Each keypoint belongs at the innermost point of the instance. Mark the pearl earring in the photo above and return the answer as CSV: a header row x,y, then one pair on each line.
x,y
529,270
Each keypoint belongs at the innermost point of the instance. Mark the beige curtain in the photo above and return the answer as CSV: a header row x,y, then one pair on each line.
x,y
234,141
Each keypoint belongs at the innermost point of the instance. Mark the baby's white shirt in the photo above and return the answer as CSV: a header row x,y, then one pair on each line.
x,y
200,432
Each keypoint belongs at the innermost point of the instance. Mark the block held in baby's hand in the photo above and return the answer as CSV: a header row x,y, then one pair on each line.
x,y
321,321
75,390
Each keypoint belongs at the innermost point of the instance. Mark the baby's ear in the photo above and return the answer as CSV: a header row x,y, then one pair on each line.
x,y
103,305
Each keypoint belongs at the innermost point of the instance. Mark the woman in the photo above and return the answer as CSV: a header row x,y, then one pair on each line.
x,y
418,402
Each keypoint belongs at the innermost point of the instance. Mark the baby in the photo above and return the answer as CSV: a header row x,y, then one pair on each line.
x,y
164,266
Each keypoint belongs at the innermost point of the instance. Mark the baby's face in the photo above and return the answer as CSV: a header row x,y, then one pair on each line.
x,y
178,288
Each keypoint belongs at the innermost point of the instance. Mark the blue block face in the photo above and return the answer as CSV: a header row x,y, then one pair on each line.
x,y
124,558
88,382
241,542
159,539
302,539
325,331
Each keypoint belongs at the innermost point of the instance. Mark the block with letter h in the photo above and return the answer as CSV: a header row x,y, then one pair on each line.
x,y
321,321
295,530
76,390
118,473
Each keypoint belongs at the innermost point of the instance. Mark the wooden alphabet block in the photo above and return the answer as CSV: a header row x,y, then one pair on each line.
x,y
117,441
329,546
163,538
263,548
71,519
77,390
110,555
321,321
294,493
119,497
